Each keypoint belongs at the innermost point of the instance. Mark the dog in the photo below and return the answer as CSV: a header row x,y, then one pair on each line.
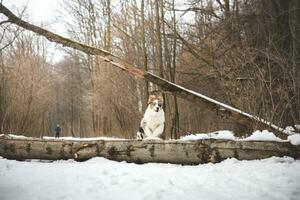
x,y
152,124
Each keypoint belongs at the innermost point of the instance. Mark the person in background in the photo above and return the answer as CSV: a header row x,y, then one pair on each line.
x,y
57,131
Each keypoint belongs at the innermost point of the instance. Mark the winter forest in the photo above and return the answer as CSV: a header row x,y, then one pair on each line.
x,y
245,53
150,99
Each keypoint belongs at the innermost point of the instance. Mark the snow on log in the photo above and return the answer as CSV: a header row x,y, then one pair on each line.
x,y
144,151
233,113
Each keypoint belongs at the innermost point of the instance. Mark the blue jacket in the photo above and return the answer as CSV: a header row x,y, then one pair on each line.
x,y
57,129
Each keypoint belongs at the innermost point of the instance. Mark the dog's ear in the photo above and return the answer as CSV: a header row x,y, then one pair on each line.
x,y
151,98
160,98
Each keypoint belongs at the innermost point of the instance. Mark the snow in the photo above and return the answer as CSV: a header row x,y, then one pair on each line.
x,y
290,130
18,136
224,134
264,135
83,139
294,139
99,178
64,138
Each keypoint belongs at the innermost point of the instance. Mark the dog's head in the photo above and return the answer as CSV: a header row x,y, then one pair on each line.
x,y
155,102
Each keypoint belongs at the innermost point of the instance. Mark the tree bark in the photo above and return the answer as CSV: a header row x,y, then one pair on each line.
x,y
144,151
235,114
175,120
145,55
158,39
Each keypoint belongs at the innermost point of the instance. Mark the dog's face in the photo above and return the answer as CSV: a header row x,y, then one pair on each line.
x,y
155,102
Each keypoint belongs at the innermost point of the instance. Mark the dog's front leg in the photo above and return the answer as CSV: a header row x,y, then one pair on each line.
x,y
158,131
148,132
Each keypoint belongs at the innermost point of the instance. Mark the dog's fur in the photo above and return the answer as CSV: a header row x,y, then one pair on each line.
x,y
152,124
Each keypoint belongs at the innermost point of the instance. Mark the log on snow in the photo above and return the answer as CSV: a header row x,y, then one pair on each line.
x,y
144,151
235,114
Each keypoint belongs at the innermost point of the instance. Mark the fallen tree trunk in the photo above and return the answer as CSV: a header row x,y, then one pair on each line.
x,y
231,112
144,151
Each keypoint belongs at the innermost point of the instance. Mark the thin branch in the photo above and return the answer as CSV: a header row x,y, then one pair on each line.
x,y
128,35
195,9
4,22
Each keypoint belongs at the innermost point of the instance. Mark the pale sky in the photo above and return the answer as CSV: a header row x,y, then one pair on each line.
x,y
39,11
45,12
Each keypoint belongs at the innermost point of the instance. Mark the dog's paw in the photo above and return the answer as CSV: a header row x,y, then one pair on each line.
x,y
152,138
139,136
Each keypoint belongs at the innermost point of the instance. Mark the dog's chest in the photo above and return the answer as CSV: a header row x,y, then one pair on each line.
x,y
153,119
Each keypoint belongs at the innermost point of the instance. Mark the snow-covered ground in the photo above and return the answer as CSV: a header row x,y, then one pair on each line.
x,y
20,136
264,135
84,139
99,178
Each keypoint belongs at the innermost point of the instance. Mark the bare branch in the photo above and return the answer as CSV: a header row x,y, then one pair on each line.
x,y
4,22
128,35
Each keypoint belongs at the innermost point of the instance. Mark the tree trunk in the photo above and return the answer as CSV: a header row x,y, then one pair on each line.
x,y
108,28
144,151
145,55
158,39
175,120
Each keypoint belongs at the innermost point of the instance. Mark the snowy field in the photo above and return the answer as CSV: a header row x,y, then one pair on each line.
x,y
99,178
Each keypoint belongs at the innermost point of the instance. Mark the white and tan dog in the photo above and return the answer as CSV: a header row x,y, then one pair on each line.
x,y
152,124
